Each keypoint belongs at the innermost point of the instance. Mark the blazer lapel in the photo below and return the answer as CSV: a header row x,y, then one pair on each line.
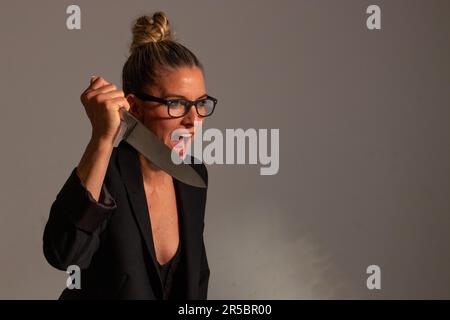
x,y
190,212
130,171
190,205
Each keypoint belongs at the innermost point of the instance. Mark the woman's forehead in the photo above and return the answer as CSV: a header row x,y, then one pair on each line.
x,y
185,82
181,77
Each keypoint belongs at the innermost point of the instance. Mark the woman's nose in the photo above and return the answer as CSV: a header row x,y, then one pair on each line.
x,y
192,116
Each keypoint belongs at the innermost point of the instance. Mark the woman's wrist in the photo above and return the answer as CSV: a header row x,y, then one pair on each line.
x,y
92,166
101,142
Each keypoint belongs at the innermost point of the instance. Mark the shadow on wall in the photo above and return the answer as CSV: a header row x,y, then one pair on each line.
x,y
258,260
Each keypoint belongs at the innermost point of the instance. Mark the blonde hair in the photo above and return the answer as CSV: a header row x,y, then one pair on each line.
x,y
153,50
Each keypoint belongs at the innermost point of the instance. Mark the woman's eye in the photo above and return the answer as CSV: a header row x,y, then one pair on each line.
x,y
175,103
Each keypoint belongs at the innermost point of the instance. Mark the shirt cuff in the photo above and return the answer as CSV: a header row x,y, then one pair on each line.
x,y
81,207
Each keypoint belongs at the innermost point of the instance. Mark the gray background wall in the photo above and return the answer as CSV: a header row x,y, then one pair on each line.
x,y
364,139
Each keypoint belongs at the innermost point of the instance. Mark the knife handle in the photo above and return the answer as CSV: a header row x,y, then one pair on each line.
x,y
122,128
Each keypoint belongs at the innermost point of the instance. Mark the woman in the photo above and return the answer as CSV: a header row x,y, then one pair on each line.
x,y
134,231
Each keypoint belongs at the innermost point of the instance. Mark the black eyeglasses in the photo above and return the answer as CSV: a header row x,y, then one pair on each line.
x,y
177,108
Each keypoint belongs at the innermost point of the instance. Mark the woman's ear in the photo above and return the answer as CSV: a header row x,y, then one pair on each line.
x,y
135,108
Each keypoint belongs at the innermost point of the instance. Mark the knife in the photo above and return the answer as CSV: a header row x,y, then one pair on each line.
x,y
147,143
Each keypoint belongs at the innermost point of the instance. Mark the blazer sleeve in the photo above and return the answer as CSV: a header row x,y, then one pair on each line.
x,y
72,233
204,275
204,267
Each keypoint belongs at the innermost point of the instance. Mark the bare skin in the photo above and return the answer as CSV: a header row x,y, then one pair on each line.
x,y
102,101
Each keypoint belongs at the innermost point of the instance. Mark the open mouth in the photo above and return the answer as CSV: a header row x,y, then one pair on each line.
x,y
182,144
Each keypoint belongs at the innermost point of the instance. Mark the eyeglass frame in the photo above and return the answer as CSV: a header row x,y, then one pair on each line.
x,y
187,106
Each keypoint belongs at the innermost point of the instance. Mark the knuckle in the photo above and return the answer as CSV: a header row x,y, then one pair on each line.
x,y
109,104
97,99
124,102
84,93
88,95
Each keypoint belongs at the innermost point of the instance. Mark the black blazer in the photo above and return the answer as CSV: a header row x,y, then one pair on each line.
x,y
111,240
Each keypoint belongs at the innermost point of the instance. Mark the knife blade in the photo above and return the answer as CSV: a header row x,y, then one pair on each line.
x,y
147,143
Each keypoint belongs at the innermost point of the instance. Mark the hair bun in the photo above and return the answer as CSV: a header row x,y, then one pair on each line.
x,y
150,29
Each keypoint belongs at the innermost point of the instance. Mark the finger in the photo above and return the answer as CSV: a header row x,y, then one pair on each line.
x,y
119,102
93,78
126,105
111,95
105,89
97,83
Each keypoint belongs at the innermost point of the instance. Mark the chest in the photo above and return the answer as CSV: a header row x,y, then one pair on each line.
x,y
163,215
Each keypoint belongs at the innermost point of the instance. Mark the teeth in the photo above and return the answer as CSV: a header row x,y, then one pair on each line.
x,y
185,136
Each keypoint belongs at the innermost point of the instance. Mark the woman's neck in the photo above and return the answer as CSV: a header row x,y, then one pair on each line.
x,y
152,175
